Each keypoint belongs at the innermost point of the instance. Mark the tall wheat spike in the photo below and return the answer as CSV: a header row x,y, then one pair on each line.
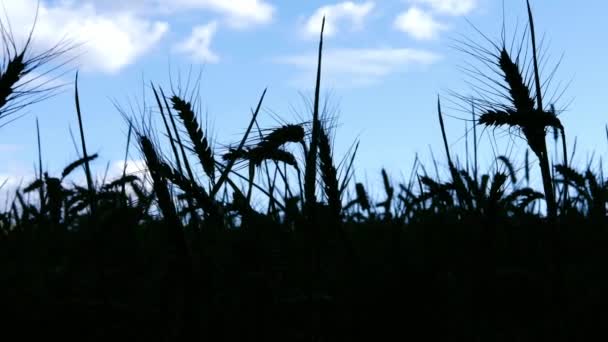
x,y
199,140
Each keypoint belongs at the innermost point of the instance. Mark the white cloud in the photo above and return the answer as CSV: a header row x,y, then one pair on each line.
x,y
419,24
8,184
136,167
240,13
133,167
237,13
113,172
347,12
12,177
110,41
450,7
198,44
16,176
357,67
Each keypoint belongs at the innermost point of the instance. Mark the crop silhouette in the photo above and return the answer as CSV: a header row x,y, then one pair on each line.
x,y
270,238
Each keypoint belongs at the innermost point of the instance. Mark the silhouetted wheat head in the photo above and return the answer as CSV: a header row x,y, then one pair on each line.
x,y
524,113
282,135
159,179
199,141
28,77
257,155
512,95
329,174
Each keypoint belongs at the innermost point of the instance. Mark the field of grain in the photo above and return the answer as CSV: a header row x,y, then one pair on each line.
x,y
270,239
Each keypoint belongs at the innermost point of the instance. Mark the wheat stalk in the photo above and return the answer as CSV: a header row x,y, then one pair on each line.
x,y
527,115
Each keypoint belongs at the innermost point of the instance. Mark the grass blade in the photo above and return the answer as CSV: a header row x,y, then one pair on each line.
x,y
310,172
85,155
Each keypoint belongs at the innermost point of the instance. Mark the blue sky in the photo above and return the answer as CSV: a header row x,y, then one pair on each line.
x,y
385,63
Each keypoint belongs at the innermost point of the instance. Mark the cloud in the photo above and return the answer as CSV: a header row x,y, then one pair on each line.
x,y
133,167
450,7
360,66
236,13
8,184
13,174
110,173
110,41
336,15
198,44
239,13
419,24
